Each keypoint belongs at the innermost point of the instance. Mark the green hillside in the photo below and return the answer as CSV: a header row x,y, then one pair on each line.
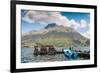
x,y
58,36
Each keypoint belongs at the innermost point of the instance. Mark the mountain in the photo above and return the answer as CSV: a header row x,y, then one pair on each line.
x,y
51,25
56,35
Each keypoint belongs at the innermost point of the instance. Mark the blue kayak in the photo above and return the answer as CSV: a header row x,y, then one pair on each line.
x,y
70,54
75,55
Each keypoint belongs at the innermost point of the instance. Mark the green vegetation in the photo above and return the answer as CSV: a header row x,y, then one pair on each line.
x,y
57,42
58,36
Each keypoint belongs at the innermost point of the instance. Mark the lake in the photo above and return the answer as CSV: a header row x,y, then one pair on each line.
x,y
27,56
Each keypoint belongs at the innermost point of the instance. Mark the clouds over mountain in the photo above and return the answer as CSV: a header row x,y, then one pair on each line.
x,y
46,17
86,34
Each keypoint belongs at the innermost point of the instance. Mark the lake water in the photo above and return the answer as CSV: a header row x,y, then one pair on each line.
x,y
27,56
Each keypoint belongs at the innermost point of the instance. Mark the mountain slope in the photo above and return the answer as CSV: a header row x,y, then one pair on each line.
x,y
58,36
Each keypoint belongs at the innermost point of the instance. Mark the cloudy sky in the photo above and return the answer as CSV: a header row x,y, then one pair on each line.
x,y
36,20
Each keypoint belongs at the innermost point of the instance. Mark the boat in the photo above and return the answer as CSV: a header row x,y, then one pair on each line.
x,y
69,54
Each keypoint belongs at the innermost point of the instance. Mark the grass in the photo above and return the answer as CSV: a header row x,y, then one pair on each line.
x,y
57,42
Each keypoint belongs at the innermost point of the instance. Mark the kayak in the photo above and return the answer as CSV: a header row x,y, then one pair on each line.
x,y
70,54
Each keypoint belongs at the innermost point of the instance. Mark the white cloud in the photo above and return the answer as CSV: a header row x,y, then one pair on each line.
x,y
86,34
74,24
44,17
83,23
27,20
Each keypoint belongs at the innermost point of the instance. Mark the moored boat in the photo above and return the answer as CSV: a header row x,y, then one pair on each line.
x,y
70,54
